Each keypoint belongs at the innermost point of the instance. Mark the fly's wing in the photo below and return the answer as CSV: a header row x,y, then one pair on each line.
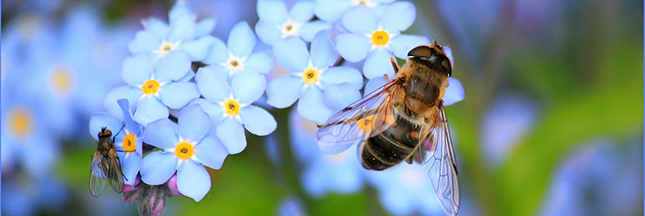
x,y
97,175
367,116
114,174
441,165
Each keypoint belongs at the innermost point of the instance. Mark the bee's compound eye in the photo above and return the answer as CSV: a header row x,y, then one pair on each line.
x,y
421,51
446,65
107,133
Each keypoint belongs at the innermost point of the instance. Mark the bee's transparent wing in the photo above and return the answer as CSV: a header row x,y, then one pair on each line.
x,y
441,165
342,130
114,173
97,175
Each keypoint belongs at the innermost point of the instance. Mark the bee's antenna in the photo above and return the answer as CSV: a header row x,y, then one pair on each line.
x,y
434,41
117,133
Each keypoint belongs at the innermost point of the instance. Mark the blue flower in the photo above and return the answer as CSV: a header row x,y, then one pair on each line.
x,y
186,150
313,80
375,38
128,141
276,23
290,206
29,196
229,106
239,56
181,34
332,10
406,189
154,90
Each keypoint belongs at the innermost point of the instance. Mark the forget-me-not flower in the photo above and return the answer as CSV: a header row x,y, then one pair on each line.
x,y
375,38
276,23
312,76
229,106
128,141
182,34
237,55
186,149
332,10
152,90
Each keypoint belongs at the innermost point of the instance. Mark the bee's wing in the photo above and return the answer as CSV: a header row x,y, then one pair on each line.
x,y
97,175
114,174
342,130
441,165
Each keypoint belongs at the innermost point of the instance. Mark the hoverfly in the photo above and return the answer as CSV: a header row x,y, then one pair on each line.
x,y
404,120
105,165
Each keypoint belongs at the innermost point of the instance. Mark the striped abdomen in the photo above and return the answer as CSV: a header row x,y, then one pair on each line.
x,y
390,147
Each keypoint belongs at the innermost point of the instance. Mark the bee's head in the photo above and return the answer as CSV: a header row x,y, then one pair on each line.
x,y
104,133
433,56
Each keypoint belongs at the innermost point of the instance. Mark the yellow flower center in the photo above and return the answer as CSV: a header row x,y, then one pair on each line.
x,y
380,38
234,64
366,123
150,87
166,47
232,107
365,2
311,75
184,150
20,121
128,142
61,80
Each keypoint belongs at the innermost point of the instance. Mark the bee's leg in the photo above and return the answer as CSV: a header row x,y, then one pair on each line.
x,y
117,133
394,65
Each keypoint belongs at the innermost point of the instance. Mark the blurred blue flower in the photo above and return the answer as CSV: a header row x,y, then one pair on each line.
x,y
30,196
312,79
182,34
153,90
332,10
229,106
186,150
276,23
375,38
406,190
291,206
128,142
323,173
239,56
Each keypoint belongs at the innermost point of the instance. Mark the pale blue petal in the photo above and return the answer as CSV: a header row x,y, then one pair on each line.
x,y
193,123
248,87
150,109
130,125
272,11
100,120
448,52
211,152
205,27
157,167
188,77
257,120
181,9
331,10
137,69
157,26
402,44
353,47
161,133
177,94
268,33
193,180
218,53
360,19
123,92
259,62
308,30
378,63
291,53
284,90
374,84
398,16
197,49
302,11
144,41
342,74
131,167
173,66
339,96
214,111
183,29
323,54
454,92
231,133
212,84
241,40
312,107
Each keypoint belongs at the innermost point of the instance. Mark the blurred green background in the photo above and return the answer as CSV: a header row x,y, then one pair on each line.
x,y
576,66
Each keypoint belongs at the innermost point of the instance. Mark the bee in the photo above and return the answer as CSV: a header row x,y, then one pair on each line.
x,y
404,120
105,165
